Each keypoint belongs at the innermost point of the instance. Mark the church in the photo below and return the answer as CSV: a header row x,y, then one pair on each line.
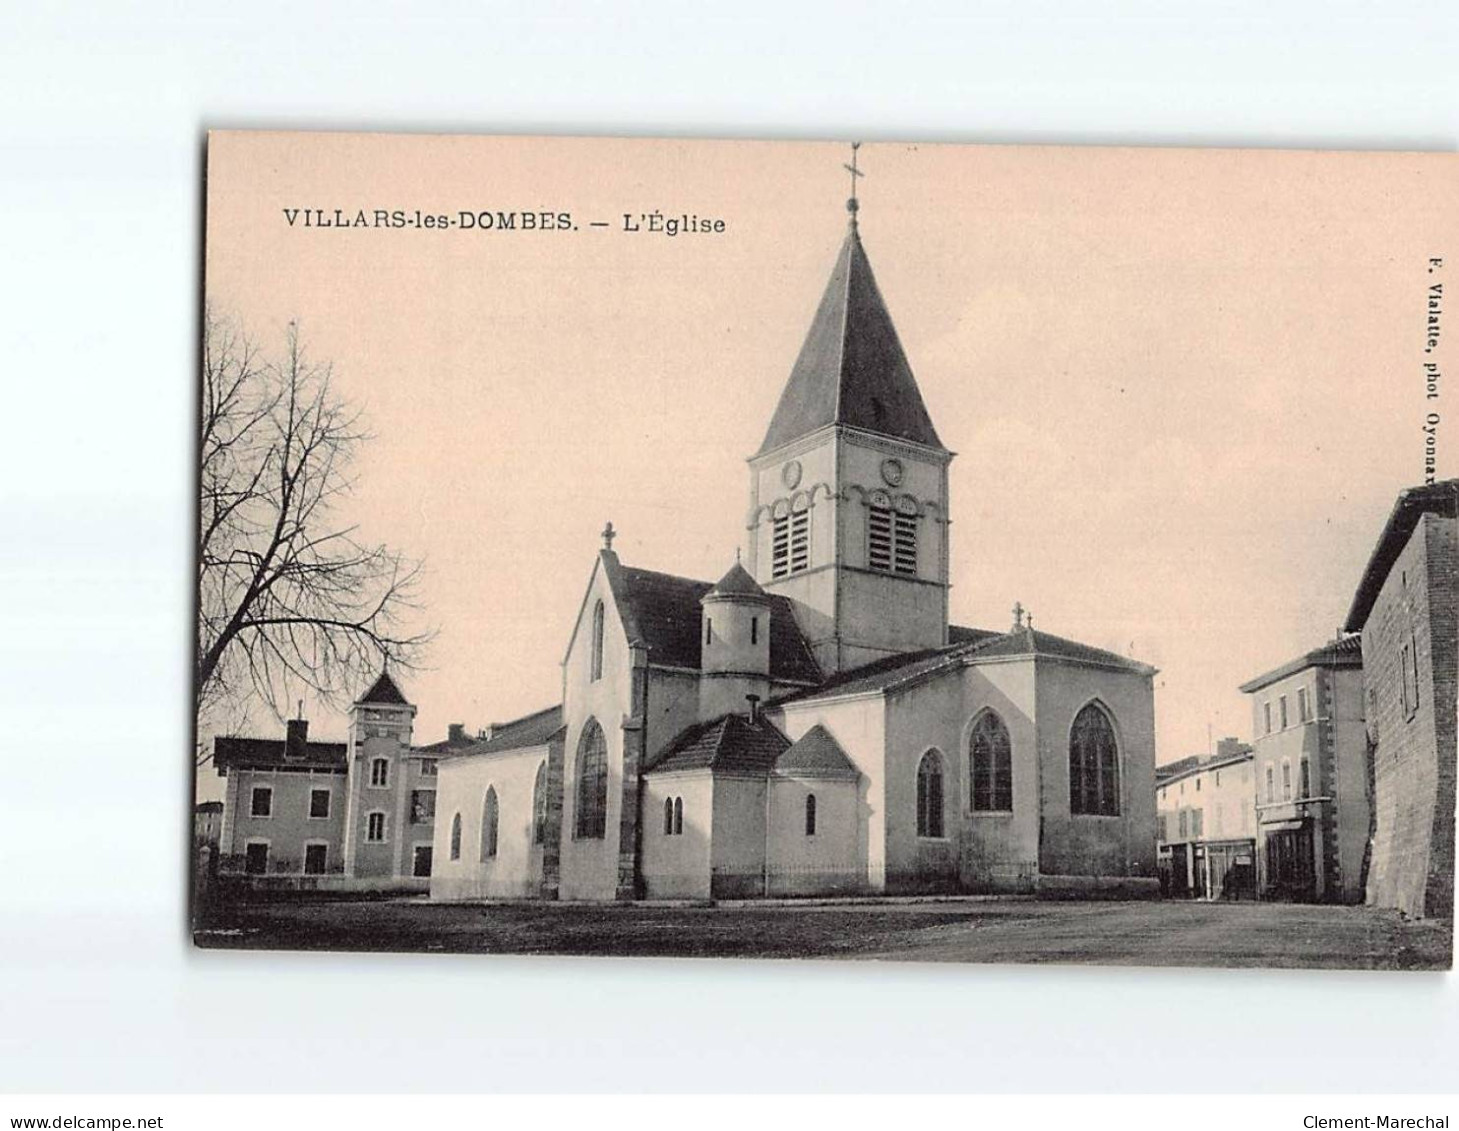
x,y
811,723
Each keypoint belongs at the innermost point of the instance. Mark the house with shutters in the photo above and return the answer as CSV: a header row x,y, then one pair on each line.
x,y
1313,801
811,722
359,813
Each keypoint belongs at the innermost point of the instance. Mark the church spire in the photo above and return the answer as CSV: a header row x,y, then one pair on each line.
x,y
851,369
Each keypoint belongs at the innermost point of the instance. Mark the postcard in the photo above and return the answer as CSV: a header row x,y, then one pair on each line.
x,y
911,551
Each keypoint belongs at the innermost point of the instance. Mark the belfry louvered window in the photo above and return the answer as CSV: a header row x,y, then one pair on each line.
x,y
891,545
790,545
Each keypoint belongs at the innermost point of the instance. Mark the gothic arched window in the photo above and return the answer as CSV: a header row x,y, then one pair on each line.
x,y
990,765
668,816
456,837
490,815
597,657
1094,766
810,814
539,806
678,816
592,782
929,795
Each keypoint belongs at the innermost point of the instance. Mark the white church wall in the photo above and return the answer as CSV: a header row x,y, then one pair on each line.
x,y
828,861
882,615
677,865
859,726
922,718
1000,850
673,706
814,594
461,785
738,849
1087,845
589,865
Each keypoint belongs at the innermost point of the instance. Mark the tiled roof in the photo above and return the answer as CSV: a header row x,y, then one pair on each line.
x,y
972,646
1434,498
816,754
1345,652
536,729
1199,764
877,675
851,369
266,753
1030,642
730,744
1178,768
446,745
384,690
960,634
663,611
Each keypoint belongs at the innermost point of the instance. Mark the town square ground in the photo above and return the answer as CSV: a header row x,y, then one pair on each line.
x,y
987,929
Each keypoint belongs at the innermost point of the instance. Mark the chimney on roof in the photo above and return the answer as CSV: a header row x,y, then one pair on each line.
x,y
754,701
455,734
297,741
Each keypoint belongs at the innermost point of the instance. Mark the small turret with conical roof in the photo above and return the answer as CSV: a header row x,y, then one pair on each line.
x,y
734,642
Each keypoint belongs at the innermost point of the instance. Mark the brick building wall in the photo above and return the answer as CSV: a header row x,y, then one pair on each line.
x,y
1409,656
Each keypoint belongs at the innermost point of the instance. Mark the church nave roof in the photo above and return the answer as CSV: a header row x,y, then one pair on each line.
x,y
536,729
969,646
663,611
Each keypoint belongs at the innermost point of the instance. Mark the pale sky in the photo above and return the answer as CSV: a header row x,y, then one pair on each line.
x,y
1184,386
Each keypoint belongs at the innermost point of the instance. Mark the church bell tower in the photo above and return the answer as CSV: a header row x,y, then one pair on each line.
x,y
848,492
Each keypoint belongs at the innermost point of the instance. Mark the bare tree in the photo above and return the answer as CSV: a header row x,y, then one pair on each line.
x,y
288,597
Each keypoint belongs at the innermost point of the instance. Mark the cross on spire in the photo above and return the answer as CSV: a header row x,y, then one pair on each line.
x,y
608,535
851,205
1018,611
